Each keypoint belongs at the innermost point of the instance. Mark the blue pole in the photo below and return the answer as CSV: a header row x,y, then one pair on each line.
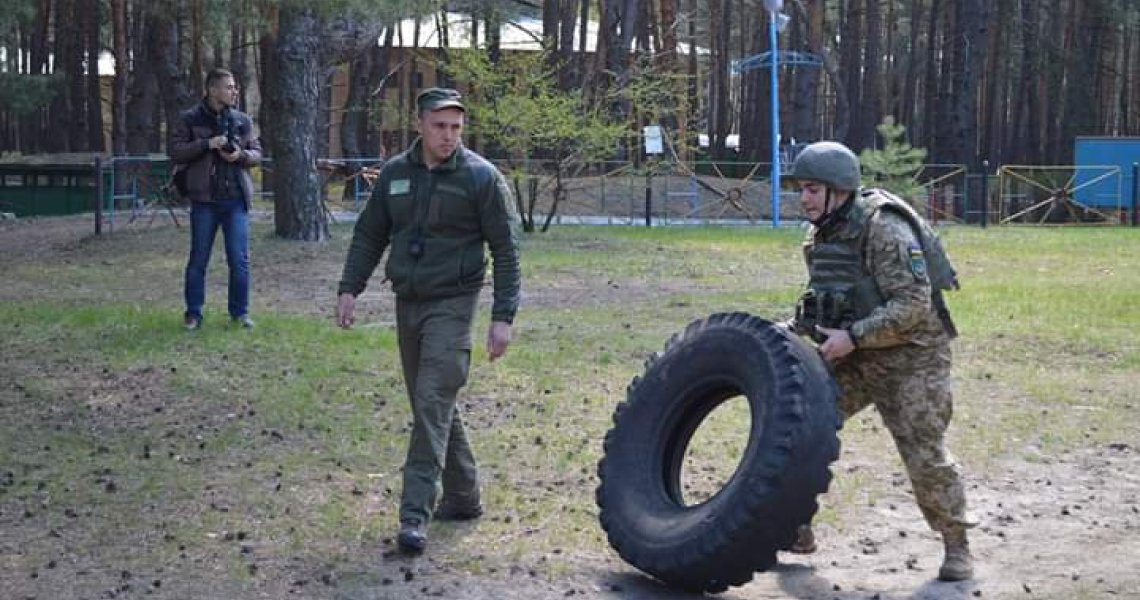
x,y
772,37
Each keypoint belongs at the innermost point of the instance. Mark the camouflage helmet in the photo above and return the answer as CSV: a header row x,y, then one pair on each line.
x,y
830,163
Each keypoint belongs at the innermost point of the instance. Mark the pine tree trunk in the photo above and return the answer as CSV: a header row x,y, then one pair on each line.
x,y
615,39
143,94
443,33
930,84
804,98
1053,84
197,60
1085,41
972,21
691,70
299,214
1128,104
267,83
719,27
870,107
993,81
667,64
176,96
568,77
34,134
1026,145
852,51
581,65
755,94
239,63
68,62
354,124
819,128
119,85
951,44
377,90
494,26
94,99
908,106
408,90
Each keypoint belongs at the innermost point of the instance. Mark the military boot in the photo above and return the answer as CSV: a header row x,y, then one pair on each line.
x,y
459,508
805,541
412,538
958,564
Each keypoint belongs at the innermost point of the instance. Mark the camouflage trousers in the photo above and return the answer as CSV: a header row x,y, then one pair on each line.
x,y
435,350
910,387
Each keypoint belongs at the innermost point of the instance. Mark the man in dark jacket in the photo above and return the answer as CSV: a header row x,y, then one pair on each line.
x,y
436,207
213,148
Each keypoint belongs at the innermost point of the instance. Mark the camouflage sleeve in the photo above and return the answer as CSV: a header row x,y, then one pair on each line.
x,y
895,260
500,225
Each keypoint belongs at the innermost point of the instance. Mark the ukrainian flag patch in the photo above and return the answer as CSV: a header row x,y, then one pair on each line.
x,y
917,262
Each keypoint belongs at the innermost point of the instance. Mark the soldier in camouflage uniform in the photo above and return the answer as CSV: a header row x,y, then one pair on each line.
x,y
436,208
878,319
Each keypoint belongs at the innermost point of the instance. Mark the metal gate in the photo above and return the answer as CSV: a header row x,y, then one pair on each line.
x,y
1035,194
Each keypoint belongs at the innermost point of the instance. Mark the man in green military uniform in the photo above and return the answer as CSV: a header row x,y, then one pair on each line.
x,y
436,207
874,304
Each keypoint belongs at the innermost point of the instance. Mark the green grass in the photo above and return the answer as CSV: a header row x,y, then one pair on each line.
x,y
297,429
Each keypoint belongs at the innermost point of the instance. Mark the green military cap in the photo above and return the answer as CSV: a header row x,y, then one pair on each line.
x,y
433,99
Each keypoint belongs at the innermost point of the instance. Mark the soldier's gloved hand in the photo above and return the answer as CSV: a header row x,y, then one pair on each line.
x,y
837,345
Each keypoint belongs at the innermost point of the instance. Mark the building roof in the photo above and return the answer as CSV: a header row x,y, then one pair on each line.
x,y
516,33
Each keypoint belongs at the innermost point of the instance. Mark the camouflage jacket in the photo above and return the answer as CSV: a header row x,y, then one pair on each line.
x,y
892,272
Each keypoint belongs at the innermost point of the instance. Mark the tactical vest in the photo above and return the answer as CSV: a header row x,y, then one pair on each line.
x,y
841,291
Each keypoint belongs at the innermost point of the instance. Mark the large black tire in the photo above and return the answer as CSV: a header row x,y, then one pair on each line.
x,y
792,442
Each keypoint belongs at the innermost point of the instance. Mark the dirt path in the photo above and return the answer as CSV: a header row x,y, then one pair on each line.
x,y
1062,530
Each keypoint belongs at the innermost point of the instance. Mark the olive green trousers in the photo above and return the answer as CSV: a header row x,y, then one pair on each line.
x,y
435,350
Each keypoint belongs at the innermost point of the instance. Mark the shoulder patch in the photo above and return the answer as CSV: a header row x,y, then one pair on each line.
x,y
399,186
917,262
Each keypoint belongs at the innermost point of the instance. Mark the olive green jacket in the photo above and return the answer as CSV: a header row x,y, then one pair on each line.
x,y
449,215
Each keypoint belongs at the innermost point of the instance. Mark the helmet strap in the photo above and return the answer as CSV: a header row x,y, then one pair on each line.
x,y
826,216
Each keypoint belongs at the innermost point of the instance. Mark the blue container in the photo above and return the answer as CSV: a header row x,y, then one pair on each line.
x,y
1104,173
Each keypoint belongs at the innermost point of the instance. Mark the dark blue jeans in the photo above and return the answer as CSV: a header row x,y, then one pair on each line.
x,y
205,219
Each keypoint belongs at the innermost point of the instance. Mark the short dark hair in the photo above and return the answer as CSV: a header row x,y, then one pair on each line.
x,y
217,75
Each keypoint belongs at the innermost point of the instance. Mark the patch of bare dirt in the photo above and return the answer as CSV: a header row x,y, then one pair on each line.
x,y
1061,530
